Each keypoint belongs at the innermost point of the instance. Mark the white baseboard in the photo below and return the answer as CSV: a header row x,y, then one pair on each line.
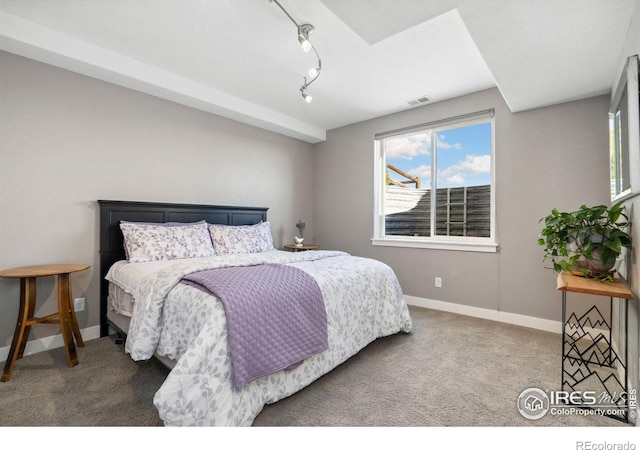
x,y
489,314
50,342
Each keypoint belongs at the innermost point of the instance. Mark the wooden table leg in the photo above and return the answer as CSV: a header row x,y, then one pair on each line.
x,y
28,291
21,334
64,310
74,321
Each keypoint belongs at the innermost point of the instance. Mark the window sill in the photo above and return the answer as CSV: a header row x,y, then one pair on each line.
x,y
484,246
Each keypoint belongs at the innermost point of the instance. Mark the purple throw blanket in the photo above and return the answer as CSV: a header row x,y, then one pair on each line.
x,y
275,316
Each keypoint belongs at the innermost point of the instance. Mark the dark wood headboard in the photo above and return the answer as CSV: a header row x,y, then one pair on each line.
x,y
112,242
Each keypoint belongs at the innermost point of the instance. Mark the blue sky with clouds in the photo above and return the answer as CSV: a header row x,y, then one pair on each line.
x,y
463,159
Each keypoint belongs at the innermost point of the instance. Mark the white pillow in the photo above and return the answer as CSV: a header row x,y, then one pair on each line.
x,y
145,242
241,239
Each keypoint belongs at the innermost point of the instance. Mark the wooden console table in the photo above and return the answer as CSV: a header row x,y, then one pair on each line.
x,y
65,316
588,355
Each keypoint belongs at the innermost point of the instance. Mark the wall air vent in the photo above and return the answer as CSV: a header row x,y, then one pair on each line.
x,y
420,100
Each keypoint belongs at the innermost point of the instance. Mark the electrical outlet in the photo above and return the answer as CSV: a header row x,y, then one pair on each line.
x,y
78,304
438,282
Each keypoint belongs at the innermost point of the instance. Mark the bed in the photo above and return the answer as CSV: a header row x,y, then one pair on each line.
x,y
194,311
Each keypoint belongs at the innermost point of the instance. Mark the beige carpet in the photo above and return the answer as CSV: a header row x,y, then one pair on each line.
x,y
452,370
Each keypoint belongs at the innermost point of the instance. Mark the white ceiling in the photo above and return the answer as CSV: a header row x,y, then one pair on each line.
x,y
241,59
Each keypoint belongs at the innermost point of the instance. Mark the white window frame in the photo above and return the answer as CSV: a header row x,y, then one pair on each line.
x,y
461,243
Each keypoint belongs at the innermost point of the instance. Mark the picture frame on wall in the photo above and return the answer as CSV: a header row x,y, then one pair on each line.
x,y
624,134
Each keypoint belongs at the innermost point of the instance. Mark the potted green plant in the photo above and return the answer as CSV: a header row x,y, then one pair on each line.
x,y
587,241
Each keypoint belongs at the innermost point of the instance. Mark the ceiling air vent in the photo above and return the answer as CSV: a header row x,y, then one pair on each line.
x,y
420,100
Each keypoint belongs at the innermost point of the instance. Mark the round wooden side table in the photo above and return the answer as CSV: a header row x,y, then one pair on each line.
x,y
302,248
65,316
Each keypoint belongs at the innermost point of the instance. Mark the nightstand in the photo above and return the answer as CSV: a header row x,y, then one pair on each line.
x,y
301,248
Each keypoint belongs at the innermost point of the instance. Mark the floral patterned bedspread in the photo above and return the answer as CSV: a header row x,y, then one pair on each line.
x,y
363,301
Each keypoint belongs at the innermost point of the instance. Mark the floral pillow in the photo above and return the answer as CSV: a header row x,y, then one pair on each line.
x,y
241,239
145,242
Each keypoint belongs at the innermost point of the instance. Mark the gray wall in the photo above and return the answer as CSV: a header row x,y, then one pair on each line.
x,y
69,140
545,158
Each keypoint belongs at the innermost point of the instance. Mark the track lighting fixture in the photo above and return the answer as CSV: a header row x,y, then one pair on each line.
x,y
304,31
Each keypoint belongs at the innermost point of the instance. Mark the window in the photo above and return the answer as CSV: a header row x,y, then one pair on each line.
x,y
623,134
434,185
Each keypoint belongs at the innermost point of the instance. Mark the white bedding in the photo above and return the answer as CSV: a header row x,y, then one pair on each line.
x,y
363,301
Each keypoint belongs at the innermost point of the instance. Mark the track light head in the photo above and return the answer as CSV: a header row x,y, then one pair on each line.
x,y
304,31
303,90
304,43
